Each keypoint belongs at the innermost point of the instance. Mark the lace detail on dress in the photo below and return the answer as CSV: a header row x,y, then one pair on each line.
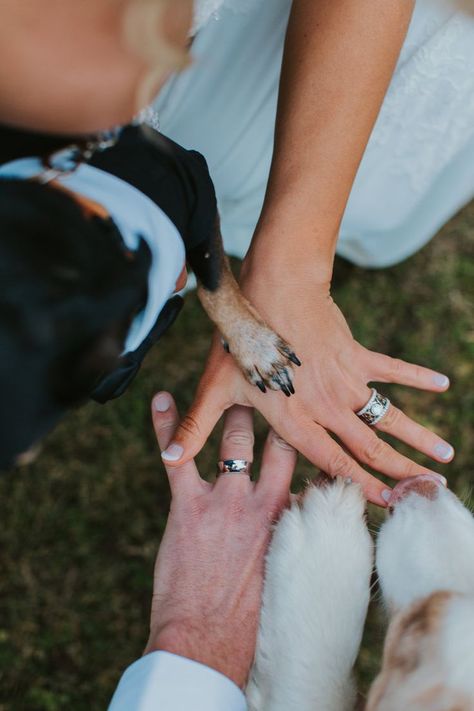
x,y
204,10
429,108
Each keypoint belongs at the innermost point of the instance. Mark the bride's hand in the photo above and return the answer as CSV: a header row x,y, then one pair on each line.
x,y
330,387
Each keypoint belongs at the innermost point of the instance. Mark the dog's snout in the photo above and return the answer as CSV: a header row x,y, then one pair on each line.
x,y
426,485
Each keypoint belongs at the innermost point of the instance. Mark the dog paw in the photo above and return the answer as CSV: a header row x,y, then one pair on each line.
x,y
265,359
314,603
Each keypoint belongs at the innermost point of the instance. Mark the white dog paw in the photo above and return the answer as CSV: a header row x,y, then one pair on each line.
x,y
314,602
334,499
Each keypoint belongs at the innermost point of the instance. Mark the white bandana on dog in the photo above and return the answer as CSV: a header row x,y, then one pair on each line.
x,y
136,216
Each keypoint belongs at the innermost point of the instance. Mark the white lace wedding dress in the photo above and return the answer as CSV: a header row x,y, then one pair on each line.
x,y
418,169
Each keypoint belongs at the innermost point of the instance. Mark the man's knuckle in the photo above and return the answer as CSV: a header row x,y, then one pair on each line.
x,y
165,427
237,509
280,442
239,437
196,506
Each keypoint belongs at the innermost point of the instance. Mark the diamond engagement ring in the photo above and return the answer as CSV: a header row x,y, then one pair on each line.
x,y
375,409
233,466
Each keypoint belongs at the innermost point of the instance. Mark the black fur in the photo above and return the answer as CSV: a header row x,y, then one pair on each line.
x,y
69,291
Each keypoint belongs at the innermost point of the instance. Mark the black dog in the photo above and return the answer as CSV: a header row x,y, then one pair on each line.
x,y
71,288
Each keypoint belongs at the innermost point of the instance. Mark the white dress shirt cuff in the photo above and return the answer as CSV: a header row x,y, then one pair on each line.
x,y
161,681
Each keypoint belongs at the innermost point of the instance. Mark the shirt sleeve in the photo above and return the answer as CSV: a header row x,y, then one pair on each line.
x,y
161,681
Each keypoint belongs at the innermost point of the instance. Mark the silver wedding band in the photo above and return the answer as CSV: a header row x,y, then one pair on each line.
x,y
233,466
376,408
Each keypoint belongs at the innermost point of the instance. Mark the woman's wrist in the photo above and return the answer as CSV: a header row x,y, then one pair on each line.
x,y
285,266
293,247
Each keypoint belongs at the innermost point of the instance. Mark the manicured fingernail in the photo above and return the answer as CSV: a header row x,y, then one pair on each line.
x,y
386,494
441,478
162,402
444,451
172,453
442,381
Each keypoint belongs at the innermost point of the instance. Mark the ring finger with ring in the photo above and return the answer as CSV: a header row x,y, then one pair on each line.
x,y
236,450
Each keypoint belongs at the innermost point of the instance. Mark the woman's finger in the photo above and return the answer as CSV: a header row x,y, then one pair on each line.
x,y
278,465
315,444
185,478
237,442
368,448
194,429
384,369
397,424
212,398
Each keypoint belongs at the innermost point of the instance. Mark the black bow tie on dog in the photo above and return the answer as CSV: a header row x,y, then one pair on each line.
x,y
114,384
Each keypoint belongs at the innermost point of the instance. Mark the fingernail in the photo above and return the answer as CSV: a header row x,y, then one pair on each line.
x,y
162,402
386,494
444,451
441,478
172,453
442,381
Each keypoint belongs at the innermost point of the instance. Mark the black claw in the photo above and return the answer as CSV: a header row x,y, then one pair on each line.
x,y
285,377
294,358
260,383
283,387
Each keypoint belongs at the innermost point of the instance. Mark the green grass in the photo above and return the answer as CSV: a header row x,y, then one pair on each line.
x,y
80,528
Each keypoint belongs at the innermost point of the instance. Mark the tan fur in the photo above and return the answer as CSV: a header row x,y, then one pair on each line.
x,y
261,354
410,648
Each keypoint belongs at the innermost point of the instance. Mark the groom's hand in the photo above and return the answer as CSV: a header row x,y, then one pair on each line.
x,y
209,569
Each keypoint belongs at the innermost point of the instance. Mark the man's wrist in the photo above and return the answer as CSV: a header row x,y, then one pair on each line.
x,y
199,646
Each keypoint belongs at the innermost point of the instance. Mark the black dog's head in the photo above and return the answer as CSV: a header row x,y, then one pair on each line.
x,y
69,290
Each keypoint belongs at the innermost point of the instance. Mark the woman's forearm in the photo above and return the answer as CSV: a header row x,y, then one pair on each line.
x,y
339,58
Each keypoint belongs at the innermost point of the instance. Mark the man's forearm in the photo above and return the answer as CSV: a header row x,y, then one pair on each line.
x,y
338,62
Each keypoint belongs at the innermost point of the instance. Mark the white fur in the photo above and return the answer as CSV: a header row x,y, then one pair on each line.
x,y
457,644
314,604
426,546
316,596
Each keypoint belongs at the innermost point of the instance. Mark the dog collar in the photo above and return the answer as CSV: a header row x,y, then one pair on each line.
x,y
136,217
